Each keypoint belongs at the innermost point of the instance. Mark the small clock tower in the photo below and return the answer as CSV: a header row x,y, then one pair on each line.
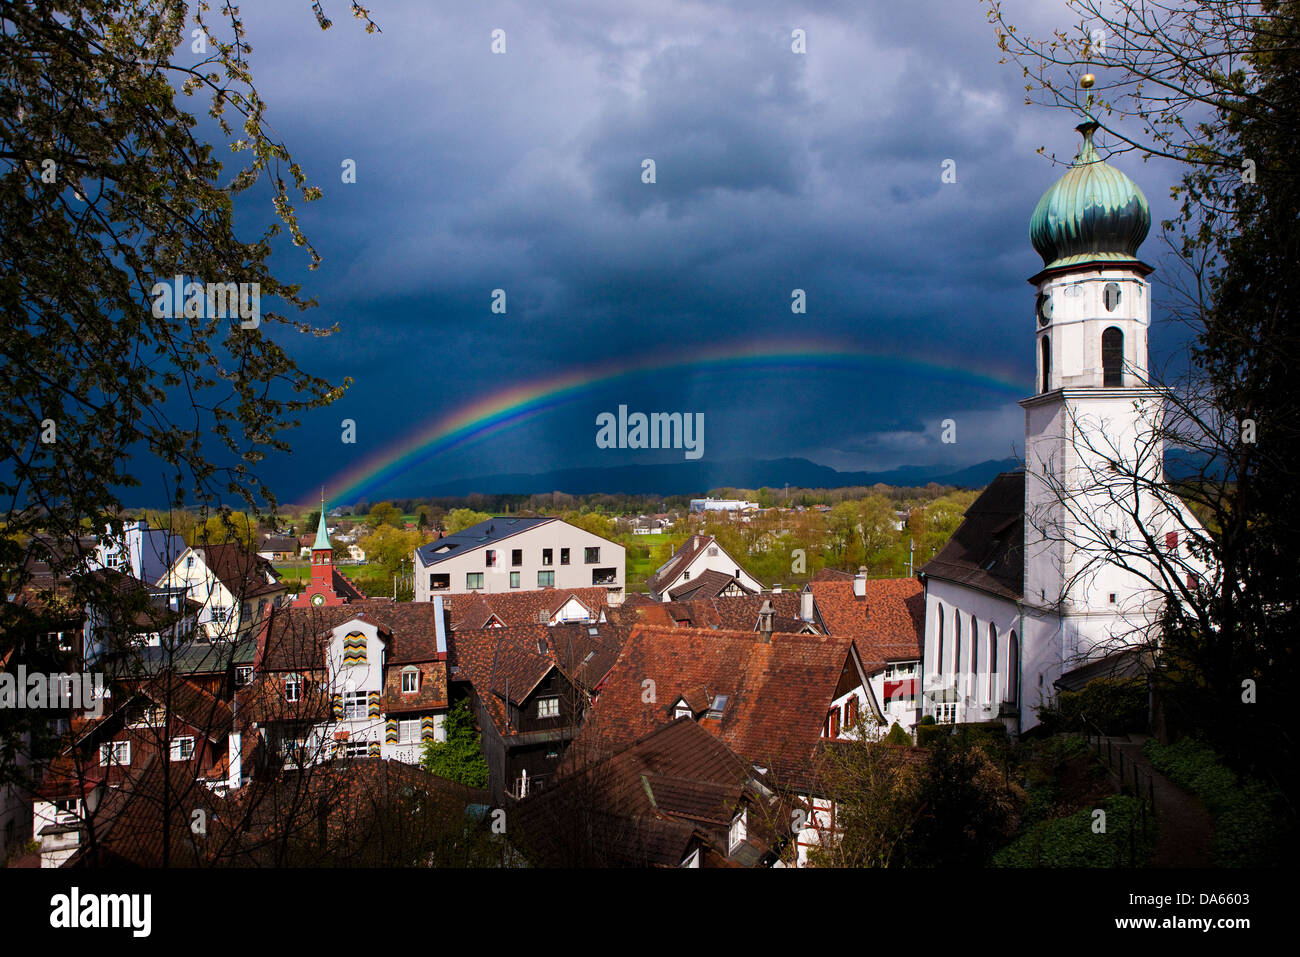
x,y
328,586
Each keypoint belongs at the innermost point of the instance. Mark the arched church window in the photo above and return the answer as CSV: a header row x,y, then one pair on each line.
x,y
993,658
974,644
1047,363
1112,358
1013,668
956,641
1110,295
939,656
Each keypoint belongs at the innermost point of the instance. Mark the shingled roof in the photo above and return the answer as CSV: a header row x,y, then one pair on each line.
x,y
245,574
709,584
647,804
514,608
777,691
987,550
732,612
887,623
670,569
295,638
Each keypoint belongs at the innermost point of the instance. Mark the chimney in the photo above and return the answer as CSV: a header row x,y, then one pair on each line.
x,y
860,582
776,589
766,621
806,605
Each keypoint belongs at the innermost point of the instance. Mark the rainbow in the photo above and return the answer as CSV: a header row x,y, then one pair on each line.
x,y
512,406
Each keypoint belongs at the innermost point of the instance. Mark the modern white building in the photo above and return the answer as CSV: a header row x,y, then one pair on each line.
x,y
722,505
1051,569
519,554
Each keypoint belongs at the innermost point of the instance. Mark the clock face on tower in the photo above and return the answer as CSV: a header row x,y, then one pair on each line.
x,y
318,599
1044,308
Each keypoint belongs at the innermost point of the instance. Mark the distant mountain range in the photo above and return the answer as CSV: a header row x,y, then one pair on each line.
x,y
696,478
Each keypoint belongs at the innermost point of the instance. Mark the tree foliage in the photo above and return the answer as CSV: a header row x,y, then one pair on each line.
x,y
460,757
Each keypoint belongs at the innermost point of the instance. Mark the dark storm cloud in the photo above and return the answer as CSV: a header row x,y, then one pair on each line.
x,y
774,172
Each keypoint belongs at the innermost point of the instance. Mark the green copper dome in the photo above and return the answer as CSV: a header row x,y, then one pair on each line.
x,y
1093,213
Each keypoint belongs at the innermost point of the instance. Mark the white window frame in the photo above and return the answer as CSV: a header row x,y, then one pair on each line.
x,y
408,731
356,705
738,831
178,748
293,688
109,751
551,709
240,672
411,678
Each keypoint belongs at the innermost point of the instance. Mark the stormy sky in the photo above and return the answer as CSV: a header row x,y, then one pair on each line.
x,y
775,171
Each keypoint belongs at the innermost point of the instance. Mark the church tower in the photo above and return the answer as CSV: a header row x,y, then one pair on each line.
x,y
328,585
1091,426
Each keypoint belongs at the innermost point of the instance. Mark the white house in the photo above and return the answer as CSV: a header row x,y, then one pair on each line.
x,y
234,587
1049,571
700,554
519,554
142,552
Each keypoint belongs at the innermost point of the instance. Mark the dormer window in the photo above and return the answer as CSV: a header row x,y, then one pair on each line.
x,y
681,710
293,688
738,832
410,680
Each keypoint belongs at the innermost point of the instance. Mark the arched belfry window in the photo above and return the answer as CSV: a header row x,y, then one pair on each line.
x,y
1112,358
1047,363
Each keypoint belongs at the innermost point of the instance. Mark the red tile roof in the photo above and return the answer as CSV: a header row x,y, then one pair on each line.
x,y
244,573
646,804
778,690
474,611
887,624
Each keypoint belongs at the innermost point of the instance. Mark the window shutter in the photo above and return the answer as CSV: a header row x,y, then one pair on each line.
x,y
390,731
1171,540
427,728
336,706
373,701
373,749
354,649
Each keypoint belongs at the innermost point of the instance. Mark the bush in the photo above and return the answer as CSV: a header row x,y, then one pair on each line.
x,y
1071,842
1249,828
927,734
1113,705
897,736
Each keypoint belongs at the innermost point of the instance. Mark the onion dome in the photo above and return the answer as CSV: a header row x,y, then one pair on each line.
x,y
1094,213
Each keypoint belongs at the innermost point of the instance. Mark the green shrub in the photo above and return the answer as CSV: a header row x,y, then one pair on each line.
x,y
1249,827
927,734
1113,705
1071,842
928,719
897,736
989,735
